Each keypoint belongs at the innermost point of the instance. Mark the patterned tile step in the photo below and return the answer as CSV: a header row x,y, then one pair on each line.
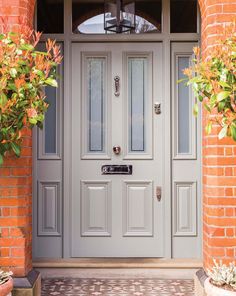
x,y
116,287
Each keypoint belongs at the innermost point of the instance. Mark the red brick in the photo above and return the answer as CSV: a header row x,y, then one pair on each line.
x,y
16,175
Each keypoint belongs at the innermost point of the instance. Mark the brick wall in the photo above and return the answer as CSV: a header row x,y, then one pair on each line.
x,y
219,156
219,164
16,174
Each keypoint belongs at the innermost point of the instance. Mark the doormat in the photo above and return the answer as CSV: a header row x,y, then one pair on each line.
x,y
117,287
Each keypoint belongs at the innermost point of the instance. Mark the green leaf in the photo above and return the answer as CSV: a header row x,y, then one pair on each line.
x,y
26,47
16,149
224,84
209,127
207,107
13,72
1,159
12,86
195,109
221,106
223,132
33,121
222,95
39,73
3,99
51,82
182,80
200,98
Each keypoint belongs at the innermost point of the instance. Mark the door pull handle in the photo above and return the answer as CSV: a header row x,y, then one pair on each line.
x,y
117,86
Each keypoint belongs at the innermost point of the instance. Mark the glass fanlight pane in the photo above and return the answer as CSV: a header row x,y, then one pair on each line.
x,y
88,16
183,16
50,16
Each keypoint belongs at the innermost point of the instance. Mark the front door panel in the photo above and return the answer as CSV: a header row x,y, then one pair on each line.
x,y
116,214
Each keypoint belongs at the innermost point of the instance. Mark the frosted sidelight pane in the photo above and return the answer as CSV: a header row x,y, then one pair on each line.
x,y
137,88
50,121
96,104
183,109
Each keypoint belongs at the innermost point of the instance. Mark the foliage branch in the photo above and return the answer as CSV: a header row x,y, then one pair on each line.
x,y
24,73
214,84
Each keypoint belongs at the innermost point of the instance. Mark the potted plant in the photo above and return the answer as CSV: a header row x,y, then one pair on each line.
x,y
6,283
221,280
24,73
213,80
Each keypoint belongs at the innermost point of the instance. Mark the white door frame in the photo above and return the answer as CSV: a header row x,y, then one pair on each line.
x,y
166,38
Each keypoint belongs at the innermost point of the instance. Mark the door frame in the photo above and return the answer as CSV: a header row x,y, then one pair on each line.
x,y
166,38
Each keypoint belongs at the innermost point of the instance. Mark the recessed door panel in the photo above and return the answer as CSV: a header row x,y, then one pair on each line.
x,y
138,208
95,208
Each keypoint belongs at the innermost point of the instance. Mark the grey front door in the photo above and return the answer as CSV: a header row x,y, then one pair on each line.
x,y
116,215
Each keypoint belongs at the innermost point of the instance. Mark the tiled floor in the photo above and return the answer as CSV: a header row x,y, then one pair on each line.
x,y
116,287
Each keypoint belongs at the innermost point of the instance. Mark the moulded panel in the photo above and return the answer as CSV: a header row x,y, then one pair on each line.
x,y
138,209
49,209
95,208
184,209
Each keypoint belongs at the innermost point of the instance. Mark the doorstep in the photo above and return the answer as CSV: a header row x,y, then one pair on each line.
x,y
119,263
119,268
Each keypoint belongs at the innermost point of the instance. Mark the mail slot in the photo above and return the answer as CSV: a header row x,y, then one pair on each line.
x,y
117,169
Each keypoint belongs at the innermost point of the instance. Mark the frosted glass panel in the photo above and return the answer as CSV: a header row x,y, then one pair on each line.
x,y
137,90
184,109
96,103
51,121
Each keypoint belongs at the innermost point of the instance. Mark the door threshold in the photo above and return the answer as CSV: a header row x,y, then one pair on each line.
x,y
118,263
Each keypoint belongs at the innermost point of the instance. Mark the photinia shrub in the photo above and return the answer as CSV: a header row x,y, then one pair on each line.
x,y
24,72
214,84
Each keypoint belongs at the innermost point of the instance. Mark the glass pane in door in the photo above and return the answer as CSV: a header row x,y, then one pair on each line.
x,y
137,97
96,104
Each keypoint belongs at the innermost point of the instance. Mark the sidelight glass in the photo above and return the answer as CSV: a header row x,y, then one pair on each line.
x,y
96,71
184,109
137,96
49,138
50,125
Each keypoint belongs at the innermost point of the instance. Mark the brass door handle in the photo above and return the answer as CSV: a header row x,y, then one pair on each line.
x,y
116,149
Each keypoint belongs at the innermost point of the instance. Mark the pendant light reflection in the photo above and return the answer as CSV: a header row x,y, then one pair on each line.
x,y
119,16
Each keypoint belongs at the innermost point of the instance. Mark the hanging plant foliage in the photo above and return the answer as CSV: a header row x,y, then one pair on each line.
x,y
214,84
24,72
